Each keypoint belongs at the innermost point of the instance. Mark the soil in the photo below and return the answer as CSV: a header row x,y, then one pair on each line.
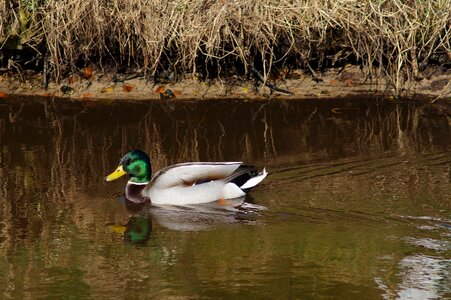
x,y
334,83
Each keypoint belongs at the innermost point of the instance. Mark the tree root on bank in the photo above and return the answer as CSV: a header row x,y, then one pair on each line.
x,y
271,86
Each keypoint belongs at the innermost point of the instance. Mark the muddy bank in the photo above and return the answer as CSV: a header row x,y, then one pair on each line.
x,y
291,49
341,82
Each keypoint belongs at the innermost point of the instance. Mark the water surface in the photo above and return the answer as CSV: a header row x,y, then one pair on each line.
x,y
357,204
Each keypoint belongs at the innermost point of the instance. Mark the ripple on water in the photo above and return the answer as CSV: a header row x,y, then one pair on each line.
x,y
424,277
429,243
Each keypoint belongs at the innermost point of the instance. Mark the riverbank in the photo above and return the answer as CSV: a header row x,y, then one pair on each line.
x,y
334,83
210,49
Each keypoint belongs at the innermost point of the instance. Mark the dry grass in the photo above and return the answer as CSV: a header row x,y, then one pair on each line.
x,y
395,38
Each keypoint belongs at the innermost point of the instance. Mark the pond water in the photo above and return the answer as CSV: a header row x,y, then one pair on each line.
x,y
357,203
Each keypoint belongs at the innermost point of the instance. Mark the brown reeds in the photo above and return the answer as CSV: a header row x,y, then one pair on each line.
x,y
396,39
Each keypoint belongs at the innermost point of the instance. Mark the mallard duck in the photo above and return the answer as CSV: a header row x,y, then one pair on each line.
x,y
184,183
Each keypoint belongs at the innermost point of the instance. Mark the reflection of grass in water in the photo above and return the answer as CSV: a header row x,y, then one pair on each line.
x,y
80,155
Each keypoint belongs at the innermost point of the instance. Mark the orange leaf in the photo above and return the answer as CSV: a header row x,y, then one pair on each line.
x,y
3,95
86,95
127,88
177,92
86,72
160,89
48,94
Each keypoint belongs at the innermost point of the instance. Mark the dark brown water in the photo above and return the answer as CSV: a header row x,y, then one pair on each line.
x,y
358,201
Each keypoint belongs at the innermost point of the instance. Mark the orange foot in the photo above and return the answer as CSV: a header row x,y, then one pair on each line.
x,y
222,201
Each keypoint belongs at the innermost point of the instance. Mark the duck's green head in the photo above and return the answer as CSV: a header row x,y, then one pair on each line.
x,y
136,164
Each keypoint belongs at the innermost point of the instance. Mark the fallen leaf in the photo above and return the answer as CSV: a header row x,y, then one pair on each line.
x,y
127,88
86,72
73,79
177,92
160,89
86,96
107,89
3,95
348,82
48,94
334,82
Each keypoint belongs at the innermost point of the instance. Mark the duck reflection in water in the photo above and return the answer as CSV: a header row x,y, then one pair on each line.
x,y
205,216
139,226
183,218
138,229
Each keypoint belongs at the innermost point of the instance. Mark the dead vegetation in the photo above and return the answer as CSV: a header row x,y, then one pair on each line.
x,y
396,39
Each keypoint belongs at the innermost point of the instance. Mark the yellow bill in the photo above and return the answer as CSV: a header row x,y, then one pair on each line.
x,y
116,174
